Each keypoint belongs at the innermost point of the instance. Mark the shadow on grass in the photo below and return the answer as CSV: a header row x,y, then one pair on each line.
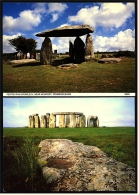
x,y
26,64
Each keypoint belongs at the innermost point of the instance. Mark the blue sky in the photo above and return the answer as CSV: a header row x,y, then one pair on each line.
x,y
111,111
113,23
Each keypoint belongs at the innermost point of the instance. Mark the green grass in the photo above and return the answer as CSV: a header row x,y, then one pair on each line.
x,y
21,150
87,77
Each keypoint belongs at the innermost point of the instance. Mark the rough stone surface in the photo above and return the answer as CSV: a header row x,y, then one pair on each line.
x,y
62,121
73,121
37,121
67,120
74,167
89,48
67,31
92,121
67,113
43,121
52,121
71,51
33,122
47,119
21,61
30,121
109,60
79,50
46,52
82,121
67,66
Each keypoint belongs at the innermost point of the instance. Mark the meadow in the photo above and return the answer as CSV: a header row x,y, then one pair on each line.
x,y
21,171
88,77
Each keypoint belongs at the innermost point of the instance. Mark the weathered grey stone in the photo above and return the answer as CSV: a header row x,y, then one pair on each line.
x,y
89,48
71,51
109,60
82,121
52,121
43,121
30,121
37,121
46,52
79,50
62,121
72,166
47,119
67,31
92,121
33,122
67,113
73,121
67,120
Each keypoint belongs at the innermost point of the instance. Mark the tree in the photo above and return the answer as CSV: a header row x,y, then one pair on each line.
x,y
23,44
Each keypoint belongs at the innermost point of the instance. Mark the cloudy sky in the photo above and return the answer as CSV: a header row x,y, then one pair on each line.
x,y
111,111
113,23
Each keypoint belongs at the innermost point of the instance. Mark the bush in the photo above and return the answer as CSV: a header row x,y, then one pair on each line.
x,y
125,53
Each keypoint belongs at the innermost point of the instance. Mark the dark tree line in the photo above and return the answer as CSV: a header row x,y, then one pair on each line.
x,y
22,44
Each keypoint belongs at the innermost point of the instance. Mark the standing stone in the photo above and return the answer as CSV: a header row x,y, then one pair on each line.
x,y
30,121
67,121
37,121
43,121
92,121
71,51
61,121
47,119
52,121
73,121
77,121
82,121
46,52
33,122
79,50
89,48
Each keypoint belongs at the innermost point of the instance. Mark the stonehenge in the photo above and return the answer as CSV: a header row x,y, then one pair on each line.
x,y
78,52
64,119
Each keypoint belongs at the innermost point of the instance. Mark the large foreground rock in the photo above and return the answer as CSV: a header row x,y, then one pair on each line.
x,y
72,166
109,60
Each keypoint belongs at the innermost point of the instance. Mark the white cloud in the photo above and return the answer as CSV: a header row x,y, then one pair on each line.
x,y
6,47
123,40
56,9
108,15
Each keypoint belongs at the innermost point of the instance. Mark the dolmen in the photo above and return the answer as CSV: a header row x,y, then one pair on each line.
x,y
78,51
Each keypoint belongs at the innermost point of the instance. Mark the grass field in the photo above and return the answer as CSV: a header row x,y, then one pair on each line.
x,y
88,77
21,171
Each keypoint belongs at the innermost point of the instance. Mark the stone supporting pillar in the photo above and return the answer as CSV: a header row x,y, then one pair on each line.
x,y
37,121
46,52
89,48
43,121
73,121
77,121
52,121
29,121
92,121
79,50
82,121
47,119
67,121
71,51
32,122
62,121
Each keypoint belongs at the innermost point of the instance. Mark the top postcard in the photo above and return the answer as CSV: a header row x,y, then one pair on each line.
x,y
67,47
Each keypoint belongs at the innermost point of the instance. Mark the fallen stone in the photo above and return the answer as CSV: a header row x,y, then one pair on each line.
x,y
67,66
21,61
72,166
67,31
109,60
